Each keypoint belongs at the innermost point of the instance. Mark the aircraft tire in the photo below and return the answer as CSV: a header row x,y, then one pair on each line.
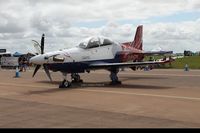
x,y
65,84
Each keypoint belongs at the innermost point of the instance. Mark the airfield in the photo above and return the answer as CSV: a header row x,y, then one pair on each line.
x,y
146,99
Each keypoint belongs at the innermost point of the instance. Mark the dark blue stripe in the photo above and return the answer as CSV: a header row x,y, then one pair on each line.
x,y
76,67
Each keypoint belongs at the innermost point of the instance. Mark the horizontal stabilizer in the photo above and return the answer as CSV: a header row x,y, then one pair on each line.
x,y
157,52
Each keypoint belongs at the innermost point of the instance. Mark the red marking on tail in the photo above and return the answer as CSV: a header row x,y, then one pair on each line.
x,y
138,40
133,50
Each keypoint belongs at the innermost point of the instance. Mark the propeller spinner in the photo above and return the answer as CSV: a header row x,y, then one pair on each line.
x,y
41,45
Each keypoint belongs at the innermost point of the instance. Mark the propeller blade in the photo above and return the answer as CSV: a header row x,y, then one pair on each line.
x,y
47,72
36,69
37,46
42,44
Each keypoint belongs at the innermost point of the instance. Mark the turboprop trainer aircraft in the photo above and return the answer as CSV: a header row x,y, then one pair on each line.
x,y
93,53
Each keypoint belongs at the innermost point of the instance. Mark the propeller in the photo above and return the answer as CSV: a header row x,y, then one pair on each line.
x,y
41,50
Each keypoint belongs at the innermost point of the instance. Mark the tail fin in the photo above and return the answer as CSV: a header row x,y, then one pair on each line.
x,y
138,40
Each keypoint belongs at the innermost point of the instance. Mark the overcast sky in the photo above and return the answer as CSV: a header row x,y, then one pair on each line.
x,y
167,24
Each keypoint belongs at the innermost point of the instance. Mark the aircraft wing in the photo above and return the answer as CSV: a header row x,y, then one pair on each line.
x,y
157,52
126,64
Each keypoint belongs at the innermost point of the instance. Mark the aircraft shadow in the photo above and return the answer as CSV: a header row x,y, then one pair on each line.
x,y
105,84
123,85
122,78
51,90
108,85
49,82
126,78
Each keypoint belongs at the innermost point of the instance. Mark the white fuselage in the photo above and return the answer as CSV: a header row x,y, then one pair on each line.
x,y
78,54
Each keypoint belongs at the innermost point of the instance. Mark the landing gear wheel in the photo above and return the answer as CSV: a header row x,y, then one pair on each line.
x,y
76,78
65,84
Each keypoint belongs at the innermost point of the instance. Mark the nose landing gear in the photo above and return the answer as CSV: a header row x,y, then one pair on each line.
x,y
75,79
65,84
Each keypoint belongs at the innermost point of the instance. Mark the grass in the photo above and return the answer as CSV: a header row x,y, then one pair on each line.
x,y
193,62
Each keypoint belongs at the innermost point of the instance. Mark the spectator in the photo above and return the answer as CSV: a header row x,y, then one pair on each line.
x,y
22,64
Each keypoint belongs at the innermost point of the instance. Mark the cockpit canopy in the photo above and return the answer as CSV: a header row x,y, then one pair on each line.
x,y
94,42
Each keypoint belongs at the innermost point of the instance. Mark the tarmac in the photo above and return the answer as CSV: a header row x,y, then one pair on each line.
x,y
163,98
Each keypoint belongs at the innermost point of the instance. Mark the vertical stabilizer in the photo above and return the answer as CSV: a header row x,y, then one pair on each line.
x,y
138,40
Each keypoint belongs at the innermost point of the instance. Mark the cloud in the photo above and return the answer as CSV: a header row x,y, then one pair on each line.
x,y
8,24
25,20
174,36
194,4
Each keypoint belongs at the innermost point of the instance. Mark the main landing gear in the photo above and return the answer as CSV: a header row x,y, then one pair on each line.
x,y
75,79
114,77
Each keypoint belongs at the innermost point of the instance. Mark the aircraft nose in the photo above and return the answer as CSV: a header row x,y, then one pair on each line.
x,y
38,60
